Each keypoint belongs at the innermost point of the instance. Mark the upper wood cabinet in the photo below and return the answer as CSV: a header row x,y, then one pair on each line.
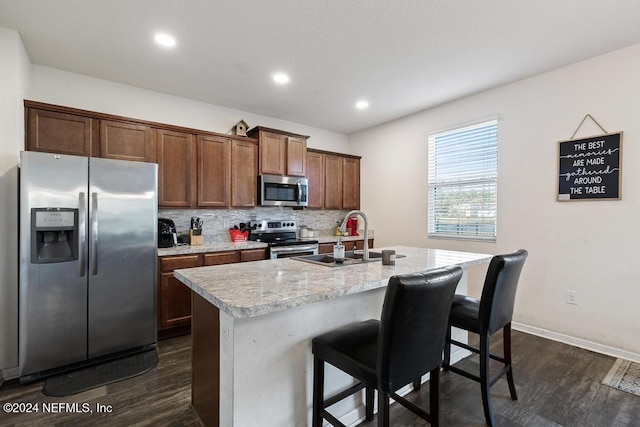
x,y
350,183
334,180
62,133
244,167
213,171
272,153
176,168
315,175
127,141
196,168
281,153
296,156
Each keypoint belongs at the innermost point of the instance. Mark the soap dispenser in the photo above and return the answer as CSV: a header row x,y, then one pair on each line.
x,y
338,252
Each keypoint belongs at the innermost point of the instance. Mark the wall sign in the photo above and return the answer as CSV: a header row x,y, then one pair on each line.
x,y
589,168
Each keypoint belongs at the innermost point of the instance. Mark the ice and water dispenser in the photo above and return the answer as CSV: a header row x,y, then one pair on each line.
x,y
54,235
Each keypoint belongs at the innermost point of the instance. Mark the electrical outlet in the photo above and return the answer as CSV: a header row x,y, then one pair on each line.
x,y
572,297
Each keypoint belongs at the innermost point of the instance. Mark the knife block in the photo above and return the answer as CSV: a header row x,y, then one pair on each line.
x,y
195,240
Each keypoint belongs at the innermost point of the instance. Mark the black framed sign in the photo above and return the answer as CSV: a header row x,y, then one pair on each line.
x,y
590,168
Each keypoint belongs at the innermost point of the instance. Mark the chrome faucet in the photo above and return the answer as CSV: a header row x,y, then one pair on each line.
x,y
343,228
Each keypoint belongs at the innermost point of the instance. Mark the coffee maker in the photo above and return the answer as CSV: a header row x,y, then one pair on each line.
x,y
167,236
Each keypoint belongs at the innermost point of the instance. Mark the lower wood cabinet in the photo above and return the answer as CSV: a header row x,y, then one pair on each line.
x,y
174,298
327,248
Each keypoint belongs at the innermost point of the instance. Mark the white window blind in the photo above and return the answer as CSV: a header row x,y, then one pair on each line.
x,y
463,175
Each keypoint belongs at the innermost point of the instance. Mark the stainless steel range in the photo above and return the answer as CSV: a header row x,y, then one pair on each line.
x,y
281,237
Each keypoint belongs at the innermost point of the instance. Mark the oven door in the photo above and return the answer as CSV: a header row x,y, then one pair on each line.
x,y
291,251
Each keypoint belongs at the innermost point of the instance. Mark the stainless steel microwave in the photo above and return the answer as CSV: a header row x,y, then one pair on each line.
x,y
276,190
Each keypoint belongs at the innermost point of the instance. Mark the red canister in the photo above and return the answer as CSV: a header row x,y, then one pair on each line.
x,y
352,226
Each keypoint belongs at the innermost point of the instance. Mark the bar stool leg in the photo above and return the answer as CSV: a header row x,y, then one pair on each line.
x,y
417,384
318,391
383,409
368,403
506,343
485,379
434,397
447,350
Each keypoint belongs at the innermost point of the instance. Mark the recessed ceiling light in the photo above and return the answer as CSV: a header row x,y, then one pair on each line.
x,y
165,40
281,78
362,105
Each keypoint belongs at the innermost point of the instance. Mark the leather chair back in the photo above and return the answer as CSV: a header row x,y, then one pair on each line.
x,y
413,325
499,291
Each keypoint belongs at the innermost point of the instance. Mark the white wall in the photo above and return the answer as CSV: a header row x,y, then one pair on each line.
x,y
14,75
74,90
586,246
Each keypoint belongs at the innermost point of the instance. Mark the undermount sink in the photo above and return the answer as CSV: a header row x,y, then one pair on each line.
x,y
350,258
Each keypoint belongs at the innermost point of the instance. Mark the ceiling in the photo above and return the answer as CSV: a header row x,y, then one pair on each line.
x,y
402,56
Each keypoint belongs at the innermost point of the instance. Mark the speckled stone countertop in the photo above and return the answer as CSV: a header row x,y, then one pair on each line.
x,y
210,247
261,287
238,246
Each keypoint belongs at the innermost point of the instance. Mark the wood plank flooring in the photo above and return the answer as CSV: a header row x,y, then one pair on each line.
x,y
160,397
558,385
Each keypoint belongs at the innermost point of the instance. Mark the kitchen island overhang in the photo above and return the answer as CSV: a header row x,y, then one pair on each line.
x,y
253,324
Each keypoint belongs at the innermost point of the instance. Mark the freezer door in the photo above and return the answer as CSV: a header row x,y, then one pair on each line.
x,y
53,294
123,210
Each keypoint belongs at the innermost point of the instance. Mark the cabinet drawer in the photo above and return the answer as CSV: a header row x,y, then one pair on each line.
x,y
325,248
182,261
253,255
218,258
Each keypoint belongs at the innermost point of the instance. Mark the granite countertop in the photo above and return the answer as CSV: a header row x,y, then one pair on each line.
x,y
238,246
210,247
262,287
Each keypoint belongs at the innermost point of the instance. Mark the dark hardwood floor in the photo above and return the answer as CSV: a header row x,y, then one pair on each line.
x,y
160,397
558,385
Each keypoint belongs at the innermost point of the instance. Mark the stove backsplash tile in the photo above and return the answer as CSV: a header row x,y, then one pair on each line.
x,y
217,222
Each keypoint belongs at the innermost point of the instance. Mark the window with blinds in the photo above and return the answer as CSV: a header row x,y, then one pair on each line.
x,y
463,176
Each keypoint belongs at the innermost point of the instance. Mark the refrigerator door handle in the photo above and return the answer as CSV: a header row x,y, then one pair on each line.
x,y
93,253
82,231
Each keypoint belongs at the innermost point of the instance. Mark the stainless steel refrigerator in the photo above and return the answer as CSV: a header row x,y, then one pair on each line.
x,y
88,233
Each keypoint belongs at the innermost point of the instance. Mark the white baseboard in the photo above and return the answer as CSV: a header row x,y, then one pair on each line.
x,y
577,342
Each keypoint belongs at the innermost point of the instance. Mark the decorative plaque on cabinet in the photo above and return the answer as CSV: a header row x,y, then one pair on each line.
x,y
589,168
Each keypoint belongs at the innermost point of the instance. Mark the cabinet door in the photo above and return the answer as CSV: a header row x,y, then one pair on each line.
x,y
175,303
253,255
325,248
359,244
213,171
126,141
350,183
315,175
176,169
61,133
296,156
244,164
333,182
272,153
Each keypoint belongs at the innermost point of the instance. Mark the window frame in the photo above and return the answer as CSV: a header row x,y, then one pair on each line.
x,y
482,181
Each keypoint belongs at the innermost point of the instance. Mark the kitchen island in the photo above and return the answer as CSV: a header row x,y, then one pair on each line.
x,y
253,323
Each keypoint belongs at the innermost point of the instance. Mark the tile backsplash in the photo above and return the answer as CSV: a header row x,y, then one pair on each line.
x,y
217,222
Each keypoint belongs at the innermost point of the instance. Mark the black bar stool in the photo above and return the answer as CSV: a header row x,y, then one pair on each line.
x,y
486,316
385,355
